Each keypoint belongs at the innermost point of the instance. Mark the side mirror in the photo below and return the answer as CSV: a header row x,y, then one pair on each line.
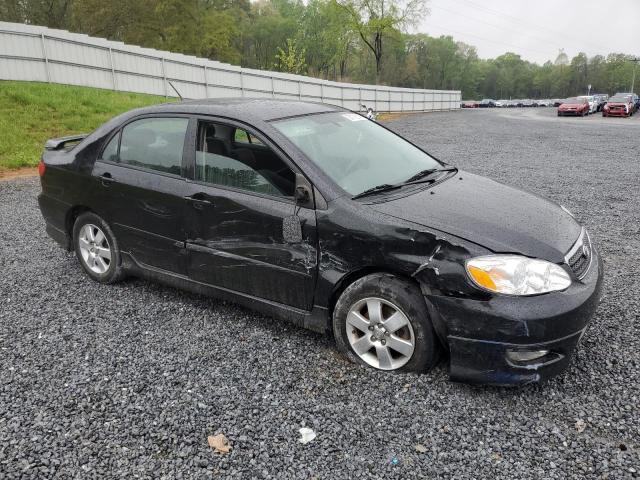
x,y
302,194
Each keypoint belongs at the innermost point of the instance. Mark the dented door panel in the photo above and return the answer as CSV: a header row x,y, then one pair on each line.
x,y
236,241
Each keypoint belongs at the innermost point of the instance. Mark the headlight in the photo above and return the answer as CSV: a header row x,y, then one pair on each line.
x,y
517,275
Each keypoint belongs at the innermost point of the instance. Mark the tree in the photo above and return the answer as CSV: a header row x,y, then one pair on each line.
x,y
360,40
375,20
327,37
291,60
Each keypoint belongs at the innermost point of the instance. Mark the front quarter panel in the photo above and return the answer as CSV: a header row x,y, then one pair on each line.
x,y
354,238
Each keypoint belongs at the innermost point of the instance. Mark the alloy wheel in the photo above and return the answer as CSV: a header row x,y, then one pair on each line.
x,y
94,248
380,333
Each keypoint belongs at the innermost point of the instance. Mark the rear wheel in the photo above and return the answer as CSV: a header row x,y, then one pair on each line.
x,y
382,321
97,249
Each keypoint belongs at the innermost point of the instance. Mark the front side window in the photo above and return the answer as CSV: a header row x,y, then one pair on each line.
x,y
356,153
231,157
154,143
110,152
242,136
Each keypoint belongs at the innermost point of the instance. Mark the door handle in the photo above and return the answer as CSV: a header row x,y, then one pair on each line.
x,y
198,203
106,179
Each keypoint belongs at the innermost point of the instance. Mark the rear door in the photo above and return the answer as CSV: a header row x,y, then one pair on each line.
x,y
139,180
242,198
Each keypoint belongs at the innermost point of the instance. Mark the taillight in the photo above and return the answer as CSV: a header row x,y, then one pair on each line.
x,y
41,168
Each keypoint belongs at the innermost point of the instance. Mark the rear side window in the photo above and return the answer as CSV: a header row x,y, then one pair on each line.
x,y
154,143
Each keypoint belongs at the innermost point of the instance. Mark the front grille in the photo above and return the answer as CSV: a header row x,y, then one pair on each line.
x,y
579,257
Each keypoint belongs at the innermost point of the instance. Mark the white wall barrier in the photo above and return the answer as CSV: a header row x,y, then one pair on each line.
x,y
46,55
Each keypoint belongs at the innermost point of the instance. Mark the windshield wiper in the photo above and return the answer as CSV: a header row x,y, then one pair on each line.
x,y
417,178
378,188
426,173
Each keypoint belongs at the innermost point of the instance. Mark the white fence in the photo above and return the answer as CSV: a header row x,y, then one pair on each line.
x,y
42,54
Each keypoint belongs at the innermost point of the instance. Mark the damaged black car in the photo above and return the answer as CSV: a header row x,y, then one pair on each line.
x,y
316,215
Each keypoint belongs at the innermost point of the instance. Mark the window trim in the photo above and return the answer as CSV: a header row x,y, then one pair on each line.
x,y
118,131
267,143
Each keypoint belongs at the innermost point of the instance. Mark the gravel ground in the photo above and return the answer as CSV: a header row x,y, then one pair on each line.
x,y
129,380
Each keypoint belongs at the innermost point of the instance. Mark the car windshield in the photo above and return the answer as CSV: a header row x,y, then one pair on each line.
x,y
619,100
573,100
356,153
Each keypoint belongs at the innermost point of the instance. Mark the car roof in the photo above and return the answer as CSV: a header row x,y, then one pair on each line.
x,y
244,109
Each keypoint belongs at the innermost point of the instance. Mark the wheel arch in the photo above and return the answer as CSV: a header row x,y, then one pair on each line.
x,y
347,279
357,274
70,218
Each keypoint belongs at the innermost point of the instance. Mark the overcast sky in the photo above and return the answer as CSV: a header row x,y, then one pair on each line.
x,y
538,29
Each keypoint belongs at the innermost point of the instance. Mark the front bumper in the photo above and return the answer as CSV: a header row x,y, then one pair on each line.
x,y
480,333
571,113
617,113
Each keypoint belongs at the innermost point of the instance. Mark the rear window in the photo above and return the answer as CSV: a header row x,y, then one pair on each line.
x,y
154,143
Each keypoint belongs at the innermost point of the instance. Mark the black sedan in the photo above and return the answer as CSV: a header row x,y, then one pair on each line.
x,y
314,214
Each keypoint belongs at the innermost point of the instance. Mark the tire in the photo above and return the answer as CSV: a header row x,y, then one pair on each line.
x,y
97,249
393,294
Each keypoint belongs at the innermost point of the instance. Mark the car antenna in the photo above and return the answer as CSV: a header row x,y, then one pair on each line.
x,y
175,89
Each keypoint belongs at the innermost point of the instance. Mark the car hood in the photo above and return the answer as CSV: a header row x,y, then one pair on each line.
x,y
501,218
571,105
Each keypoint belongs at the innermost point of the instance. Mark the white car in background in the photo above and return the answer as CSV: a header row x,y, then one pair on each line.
x,y
593,103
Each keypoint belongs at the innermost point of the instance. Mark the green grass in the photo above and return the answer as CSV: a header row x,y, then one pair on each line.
x,y
30,113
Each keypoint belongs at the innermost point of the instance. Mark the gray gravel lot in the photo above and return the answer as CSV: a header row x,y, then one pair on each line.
x,y
129,380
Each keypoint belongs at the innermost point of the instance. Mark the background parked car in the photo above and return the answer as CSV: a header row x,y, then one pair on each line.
x,y
602,99
577,106
487,103
593,103
635,100
470,104
618,106
501,103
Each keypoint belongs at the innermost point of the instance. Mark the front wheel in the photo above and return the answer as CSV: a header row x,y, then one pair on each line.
x,y
382,321
97,249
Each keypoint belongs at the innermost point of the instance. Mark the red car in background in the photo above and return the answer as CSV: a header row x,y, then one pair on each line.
x,y
578,107
470,104
619,106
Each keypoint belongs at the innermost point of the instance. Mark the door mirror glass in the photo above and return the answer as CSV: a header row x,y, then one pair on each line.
x,y
292,229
